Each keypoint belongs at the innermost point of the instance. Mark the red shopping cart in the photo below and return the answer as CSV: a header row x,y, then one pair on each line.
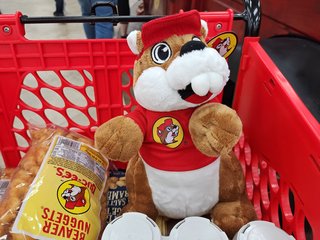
x,y
280,147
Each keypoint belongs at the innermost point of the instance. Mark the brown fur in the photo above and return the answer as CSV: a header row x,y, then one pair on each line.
x,y
234,209
145,61
139,192
139,42
231,216
215,128
231,173
116,145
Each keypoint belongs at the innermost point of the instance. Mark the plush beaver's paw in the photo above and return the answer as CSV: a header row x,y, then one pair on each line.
x,y
119,139
215,128
231,216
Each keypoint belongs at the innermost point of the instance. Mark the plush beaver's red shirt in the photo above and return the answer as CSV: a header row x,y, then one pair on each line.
x,y
167,142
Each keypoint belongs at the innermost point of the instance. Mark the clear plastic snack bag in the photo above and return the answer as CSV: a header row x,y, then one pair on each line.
x,y
58,190
5,175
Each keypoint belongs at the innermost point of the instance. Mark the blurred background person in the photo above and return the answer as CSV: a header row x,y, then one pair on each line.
x,y
124,10
137,7
99,29
59,8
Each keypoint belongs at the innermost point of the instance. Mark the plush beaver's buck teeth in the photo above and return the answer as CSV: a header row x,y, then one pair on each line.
x,y
201,84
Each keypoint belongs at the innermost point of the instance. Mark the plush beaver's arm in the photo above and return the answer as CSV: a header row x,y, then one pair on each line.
x,y
215,129
119,139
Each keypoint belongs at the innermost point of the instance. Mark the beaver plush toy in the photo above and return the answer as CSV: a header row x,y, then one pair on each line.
x,y
178,141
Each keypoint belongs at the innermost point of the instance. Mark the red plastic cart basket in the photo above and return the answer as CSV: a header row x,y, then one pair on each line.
x,y
280,150
77,84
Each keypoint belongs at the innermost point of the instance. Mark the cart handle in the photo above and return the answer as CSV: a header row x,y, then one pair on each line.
x,y
104,4
251,15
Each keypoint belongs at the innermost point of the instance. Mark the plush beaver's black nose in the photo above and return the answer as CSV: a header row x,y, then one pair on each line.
x,y
192,46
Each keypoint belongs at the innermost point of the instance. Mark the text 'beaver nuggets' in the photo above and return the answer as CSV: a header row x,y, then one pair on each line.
x,y
179,142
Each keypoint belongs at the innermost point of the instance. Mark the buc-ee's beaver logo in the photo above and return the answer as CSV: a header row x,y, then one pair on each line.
x,y
168,131
74,197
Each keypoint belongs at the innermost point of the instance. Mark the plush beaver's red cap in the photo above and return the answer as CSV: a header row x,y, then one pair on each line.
x,y
166,123
159,29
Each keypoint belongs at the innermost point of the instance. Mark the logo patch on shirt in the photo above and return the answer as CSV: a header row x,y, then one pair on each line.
x,y
167,131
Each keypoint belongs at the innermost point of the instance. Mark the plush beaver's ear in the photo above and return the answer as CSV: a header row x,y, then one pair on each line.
x,y
134,41
204,28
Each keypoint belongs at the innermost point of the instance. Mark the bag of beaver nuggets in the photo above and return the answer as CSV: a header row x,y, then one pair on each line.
x,y
58,190
5,175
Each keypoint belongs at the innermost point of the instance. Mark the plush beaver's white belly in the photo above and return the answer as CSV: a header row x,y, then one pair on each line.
x,y
182,194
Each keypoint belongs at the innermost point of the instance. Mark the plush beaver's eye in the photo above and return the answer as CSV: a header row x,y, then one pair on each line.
x,y
161,52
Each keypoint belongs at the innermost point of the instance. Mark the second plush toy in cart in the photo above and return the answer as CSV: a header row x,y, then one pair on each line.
x,y
178,141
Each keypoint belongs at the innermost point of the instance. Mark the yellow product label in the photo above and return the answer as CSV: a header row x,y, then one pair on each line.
x,y
64,199
166,125
225,43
